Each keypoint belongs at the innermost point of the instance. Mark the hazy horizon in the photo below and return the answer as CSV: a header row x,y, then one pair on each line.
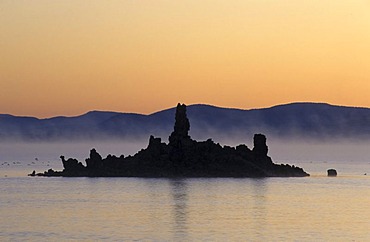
x,y
174,106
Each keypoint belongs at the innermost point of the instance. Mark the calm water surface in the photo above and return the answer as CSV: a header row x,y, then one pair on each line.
x,y
316,208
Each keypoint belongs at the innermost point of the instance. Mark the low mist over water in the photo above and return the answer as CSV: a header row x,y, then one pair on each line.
x,y
21,158
26,151
28,156
311,150
283,150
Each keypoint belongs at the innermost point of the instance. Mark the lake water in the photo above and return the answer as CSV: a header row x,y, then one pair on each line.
x,y
316,208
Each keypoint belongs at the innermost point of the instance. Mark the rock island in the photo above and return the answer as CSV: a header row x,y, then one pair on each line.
x,y
181,157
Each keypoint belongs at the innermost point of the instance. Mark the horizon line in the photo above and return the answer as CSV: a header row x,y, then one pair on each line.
x,y
188,105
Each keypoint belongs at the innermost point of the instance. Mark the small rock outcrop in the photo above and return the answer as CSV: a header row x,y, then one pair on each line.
x,y
332,172
182,157
33,173
95,161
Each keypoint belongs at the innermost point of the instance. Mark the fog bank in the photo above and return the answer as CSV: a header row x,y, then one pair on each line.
x,y
279,150
314,157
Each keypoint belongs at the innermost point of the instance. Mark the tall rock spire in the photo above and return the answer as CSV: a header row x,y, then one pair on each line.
x,y
182,125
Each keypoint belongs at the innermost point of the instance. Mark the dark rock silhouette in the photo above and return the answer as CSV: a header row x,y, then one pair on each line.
x,y
182,157
260,147
182,125
95,161
332,172
33,173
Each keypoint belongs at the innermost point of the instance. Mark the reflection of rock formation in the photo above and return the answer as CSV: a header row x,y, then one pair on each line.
x,y
259,211
183,157
180,199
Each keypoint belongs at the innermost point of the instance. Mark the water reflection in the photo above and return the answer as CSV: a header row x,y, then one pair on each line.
x,y
179,192
259,210
132,209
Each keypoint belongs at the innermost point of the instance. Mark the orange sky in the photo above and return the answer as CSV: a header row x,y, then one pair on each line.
x,y
69,57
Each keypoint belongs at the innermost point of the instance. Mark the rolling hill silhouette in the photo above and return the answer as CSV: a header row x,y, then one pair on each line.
x,y
303,120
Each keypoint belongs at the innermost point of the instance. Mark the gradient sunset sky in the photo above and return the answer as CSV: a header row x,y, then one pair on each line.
x,y
68,57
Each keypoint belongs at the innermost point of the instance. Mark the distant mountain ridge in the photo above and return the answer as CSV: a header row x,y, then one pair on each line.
x,y
288,121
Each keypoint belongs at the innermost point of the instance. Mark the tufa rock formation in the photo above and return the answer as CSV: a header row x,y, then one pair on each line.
x,y
332,172
182,157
